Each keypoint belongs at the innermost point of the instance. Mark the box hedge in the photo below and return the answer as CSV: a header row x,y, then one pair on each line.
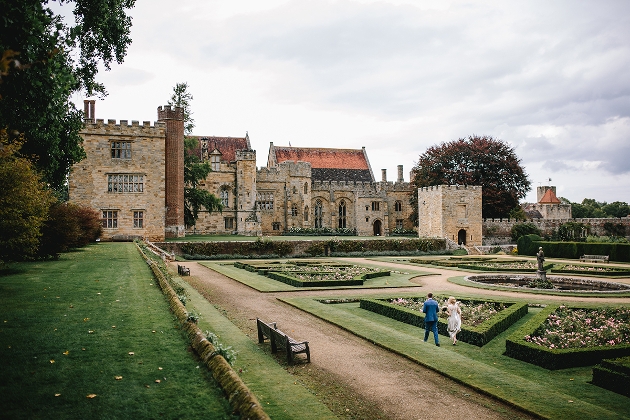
x,y
528,245
478,335
613,375
517,348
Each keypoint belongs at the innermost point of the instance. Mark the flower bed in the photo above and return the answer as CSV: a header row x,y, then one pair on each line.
x,y
490,325
315,274
559,337
591,270
485,264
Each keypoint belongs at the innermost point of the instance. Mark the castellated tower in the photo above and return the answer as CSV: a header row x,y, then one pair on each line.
x,y
452,212
246,218
174,169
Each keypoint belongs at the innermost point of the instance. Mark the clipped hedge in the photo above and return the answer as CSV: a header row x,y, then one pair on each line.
x,y
613,375
292,281
478,335
517,348
528,245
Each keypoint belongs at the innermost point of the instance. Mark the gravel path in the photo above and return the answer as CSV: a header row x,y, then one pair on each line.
x,y
370,379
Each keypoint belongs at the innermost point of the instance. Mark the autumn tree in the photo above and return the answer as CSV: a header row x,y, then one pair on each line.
x,y
24,204
43,62
195,171
484,161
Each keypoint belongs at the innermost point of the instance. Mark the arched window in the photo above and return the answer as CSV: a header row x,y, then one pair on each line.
x,y
306,213
306,188
225,197
319,210
294,210
398,206
342,214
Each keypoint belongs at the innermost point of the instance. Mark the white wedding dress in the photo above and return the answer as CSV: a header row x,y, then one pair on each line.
x,y
454,320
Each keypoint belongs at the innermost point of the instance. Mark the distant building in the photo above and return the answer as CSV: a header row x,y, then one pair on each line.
x,y
548,205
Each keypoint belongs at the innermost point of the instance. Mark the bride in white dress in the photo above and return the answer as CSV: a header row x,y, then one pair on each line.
x,y
454,319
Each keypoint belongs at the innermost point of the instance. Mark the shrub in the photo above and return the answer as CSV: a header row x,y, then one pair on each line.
x,y
522,229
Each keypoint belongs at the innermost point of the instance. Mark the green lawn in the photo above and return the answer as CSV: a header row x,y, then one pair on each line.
x,y
70,328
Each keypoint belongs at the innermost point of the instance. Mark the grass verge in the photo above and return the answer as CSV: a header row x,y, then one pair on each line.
x,y
266,284
90,336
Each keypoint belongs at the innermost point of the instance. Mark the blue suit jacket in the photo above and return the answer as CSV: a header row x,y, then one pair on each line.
x,y
430,308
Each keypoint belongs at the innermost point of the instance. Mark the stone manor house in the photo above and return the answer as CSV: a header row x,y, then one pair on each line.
x,y
134,176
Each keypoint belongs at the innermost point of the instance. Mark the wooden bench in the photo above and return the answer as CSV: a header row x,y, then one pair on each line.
x,y
183,271
594,258
279,340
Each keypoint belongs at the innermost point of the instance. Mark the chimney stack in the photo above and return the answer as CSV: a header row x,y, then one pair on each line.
x,y
89,110
400,174
384,175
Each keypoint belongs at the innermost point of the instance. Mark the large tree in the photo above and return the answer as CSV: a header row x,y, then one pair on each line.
x,y
43,62
476,160
195,171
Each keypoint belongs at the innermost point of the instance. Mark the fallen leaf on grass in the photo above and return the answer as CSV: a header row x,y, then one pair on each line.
x,y
157,381
52,361
86,319
67,352
57,395
118,378
90,331
131,353
91,396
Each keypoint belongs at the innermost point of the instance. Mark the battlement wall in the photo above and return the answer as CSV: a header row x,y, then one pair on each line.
x,y
503,227
123,128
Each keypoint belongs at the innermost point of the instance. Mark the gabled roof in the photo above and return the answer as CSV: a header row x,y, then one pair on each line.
x,y
326,164
549,198
226,145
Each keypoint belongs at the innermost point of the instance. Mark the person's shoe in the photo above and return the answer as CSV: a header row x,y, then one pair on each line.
x,y
438,344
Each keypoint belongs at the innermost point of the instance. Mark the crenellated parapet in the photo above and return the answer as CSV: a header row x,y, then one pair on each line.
x,y
124,128
166,112
284,171
450,188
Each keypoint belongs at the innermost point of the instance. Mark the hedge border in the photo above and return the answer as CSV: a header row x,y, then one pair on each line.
x,y
292,281
517,348
478,335
613,375
242,400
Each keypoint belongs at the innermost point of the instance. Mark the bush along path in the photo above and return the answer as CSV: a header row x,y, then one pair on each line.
x,y
242,400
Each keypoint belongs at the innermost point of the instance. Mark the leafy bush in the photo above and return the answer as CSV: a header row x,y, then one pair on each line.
x,y
522,229
68,226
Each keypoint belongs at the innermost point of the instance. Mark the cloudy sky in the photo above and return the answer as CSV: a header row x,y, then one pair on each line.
x,y
551,78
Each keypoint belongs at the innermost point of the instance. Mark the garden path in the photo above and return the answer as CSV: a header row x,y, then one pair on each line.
x,y
399,388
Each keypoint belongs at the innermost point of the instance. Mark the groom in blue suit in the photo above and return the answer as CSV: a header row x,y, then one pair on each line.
x,y
431,308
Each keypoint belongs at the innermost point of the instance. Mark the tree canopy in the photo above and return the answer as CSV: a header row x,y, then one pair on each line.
x,y
476,160
195,198
591,208
43,62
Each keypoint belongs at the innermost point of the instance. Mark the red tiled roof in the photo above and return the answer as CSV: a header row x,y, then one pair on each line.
x,y
323,158
549,198
226,145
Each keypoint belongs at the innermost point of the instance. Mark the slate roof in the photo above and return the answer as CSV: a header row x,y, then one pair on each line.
x,y
226,145
549,198
327,164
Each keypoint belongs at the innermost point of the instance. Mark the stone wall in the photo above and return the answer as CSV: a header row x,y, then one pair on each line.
x,y
498,231
88,181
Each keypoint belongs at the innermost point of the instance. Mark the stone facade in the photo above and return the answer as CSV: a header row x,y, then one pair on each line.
x,y
452,212
123,177
133,175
